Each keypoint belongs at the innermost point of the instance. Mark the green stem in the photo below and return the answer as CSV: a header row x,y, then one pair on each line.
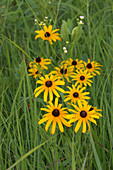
x,y
73,153
89,31
47,49
57,10
56,156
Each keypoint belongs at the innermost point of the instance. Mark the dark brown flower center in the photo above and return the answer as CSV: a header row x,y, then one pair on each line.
x,y
82,77
91,109
47,34
83,114
63,71
89,65
48,83
75,94
74,63
38,59
55,113
36,72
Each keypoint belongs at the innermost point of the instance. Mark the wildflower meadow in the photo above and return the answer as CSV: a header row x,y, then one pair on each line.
x,y
56,87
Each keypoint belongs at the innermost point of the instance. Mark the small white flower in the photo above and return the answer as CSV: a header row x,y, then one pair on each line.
x,y
80,22
46,17
35,20
65,51
64,48
41,23
49,2
81,17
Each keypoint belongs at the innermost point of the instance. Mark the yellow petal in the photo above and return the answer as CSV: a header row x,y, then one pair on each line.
x,y
43,120
40,91
84,126
59,83
94,116
47,110
88,126
80,104
45,95
50,95
68,98
65,122
60,126
50,41
37,36
45,28
92,120
55,30
78,125
58,88
48,124
50,28
56,101
37,31
53,127
56,93
38,88
40,82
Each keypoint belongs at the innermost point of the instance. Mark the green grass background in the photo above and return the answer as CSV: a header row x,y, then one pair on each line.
x,y
23,143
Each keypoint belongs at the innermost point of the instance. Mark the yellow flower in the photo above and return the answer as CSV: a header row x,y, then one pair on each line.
x,y
34,71
75,63
82,114
41,62
67,42
49,85
92,67
76,93
63,71
55,114
82,77
48,34
96,110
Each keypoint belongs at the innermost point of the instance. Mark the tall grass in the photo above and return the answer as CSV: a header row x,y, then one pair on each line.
x,y
24,144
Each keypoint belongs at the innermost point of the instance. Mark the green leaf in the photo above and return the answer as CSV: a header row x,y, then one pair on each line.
x,y
95,153
27,154
64,31
70,24
76,33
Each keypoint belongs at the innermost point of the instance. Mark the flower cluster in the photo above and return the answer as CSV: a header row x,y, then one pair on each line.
x,y
67,82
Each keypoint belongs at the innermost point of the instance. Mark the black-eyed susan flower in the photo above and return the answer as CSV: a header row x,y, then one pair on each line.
x,y
48,34
82,114
82,77
49,85
55,114
92,67
96,110
40,61
75,63
75,94
34,71
63,71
